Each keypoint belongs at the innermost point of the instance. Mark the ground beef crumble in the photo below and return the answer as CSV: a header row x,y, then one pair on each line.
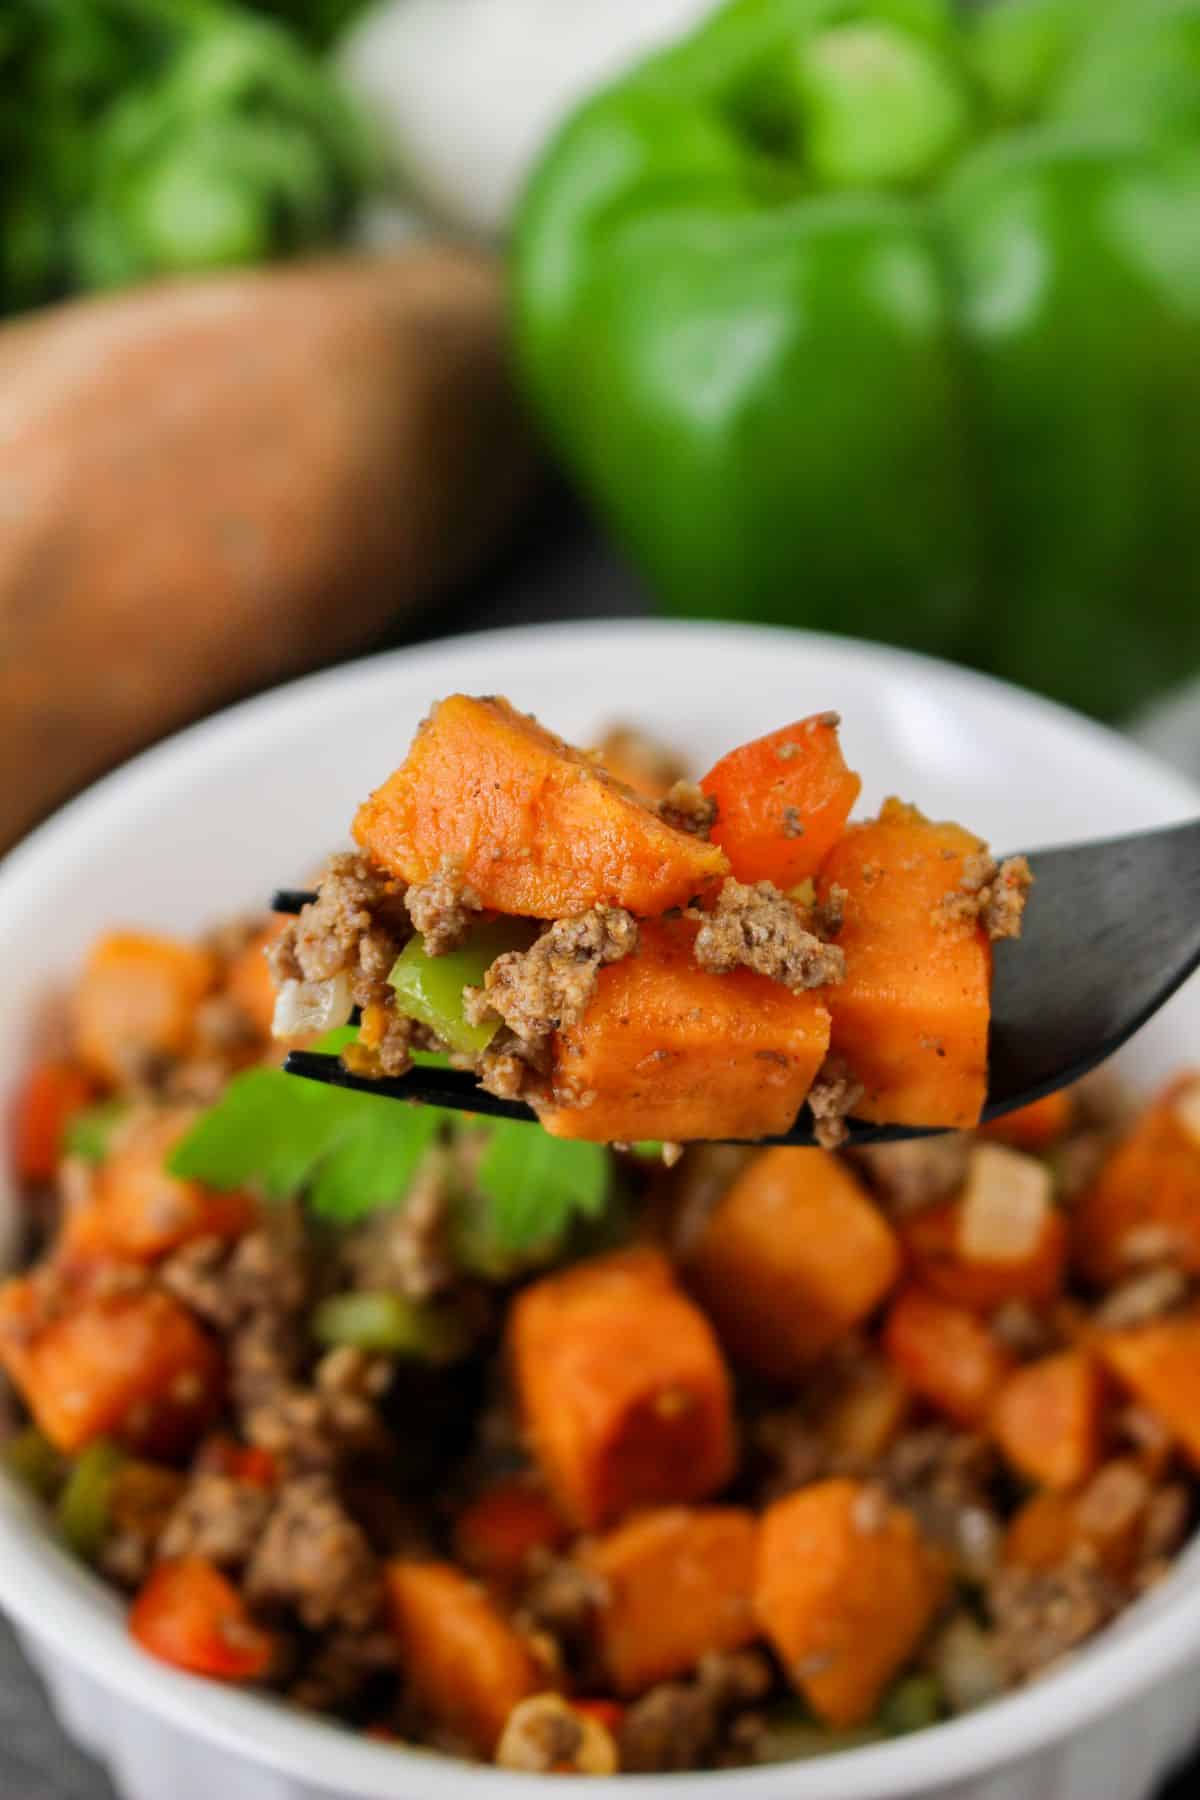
x,y
681,1725
1039,1615
992,893
688,808
444,908
757,927
217,1517
831,1100
540,990
314,1560
357,925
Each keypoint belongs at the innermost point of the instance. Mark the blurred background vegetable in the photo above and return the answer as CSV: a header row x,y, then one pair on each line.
x,y
141,137
859,315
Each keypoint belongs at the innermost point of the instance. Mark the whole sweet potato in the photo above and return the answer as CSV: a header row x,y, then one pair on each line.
x,y
208,486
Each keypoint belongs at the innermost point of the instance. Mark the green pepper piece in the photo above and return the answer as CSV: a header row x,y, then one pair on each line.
x,y
394,1326
83,1505
913,1703
793,1735
89,1133
430,988
860,315
32,1460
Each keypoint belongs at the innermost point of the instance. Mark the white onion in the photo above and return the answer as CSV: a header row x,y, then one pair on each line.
x,y
1005,1205
1186,1107
964,1660
306,1006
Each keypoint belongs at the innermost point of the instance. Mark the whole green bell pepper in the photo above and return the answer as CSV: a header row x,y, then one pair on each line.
x,y
854,314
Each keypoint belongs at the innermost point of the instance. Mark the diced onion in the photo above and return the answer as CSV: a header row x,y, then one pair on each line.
x,y
307,1006
1186,1107
1005,1205
964,1659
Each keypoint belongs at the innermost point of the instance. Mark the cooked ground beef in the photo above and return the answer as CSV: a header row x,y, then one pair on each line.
x,y
679,1725
688,808
319,1427
444,908
314,1560
560,1597
341,1666
917,1172
542,989
993,893
357,925
831,1100
759,928
945,1478
407,1249
1039,1615
218,1517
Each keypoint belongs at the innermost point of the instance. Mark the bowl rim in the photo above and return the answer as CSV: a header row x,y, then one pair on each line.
x,y
68,1612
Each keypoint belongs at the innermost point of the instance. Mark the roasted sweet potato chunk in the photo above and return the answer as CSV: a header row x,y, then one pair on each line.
x,y
531,825
790,1258
911,1017
668,1050
845,1590
676,1584
624,1392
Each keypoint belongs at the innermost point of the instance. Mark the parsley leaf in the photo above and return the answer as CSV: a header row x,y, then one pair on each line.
x,y
352,1153
536,1184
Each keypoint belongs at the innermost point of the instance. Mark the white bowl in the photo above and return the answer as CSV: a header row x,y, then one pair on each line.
x,y
211,821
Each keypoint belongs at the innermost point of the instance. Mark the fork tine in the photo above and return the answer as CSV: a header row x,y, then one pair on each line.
x,y
292,900
455,1089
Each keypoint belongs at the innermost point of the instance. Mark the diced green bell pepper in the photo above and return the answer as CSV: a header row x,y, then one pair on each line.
x,y
430,988
32,1460
883,316
89,1132
394,1326
83,1505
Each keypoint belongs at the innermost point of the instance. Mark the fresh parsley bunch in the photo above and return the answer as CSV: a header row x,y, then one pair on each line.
x,y
143,137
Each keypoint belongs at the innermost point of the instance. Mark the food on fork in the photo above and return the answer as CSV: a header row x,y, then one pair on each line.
x,y
679,965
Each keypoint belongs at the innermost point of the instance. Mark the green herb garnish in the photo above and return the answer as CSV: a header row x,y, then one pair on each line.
x,y
351,1154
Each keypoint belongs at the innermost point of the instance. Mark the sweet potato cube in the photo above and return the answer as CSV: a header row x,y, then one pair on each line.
x,y
1036,1126
133,1366
138,1212
534,826
792,1256
624,1392
1107,1517
668,1050
845,1591
465,1662
1145,1202
677,1583
1160,1365
1047,1418
137,998
911,1017
932,1239
946,1354
782,801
